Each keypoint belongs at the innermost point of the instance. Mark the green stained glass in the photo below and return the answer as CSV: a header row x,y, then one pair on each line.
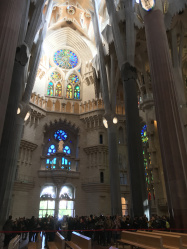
x,y
77,92
55,76
65,59
73,78
69,92
50,89
58,90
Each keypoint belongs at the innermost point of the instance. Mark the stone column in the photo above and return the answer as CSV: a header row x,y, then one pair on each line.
x,y
135,152
10,18
173,150
57,200
112,132
134,143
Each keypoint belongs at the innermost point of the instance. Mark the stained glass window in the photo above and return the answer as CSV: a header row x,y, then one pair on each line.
x,y
50,89
73,78
51,150
66,164
69,92
51,164
58,91
144,134
55,76
67,150
60,135
77,92
65,59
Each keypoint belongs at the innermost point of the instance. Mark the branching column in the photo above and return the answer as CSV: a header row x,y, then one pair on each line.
x,y
173,150
112,131
128,76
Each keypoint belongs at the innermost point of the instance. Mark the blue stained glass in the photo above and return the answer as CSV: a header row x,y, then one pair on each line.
x,y
60,135
51,163
66,149
51,150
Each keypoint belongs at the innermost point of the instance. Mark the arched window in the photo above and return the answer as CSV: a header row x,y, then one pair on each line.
x,y
77,92
47,202
66,204
67,150
50,89
69,92
124,204
51,150
58,91
60,135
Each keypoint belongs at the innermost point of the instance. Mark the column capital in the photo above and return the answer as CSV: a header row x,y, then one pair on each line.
x,y
128,72
159,5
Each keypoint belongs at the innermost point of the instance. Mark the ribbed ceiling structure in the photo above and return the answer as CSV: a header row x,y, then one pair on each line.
x,y
66,36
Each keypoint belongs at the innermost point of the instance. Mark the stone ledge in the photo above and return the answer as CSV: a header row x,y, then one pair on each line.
x,y
96,187
58,173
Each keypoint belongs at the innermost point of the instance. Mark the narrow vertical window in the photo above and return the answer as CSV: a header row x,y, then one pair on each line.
x,y
58,90
101,177
101,139
69,93
77,92
50,89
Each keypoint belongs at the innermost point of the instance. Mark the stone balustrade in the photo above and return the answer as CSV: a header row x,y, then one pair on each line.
x,y
56,104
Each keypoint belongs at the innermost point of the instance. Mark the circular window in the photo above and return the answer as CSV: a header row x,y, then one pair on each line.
x,y
65,59
71,10
55,76
60,135
73,78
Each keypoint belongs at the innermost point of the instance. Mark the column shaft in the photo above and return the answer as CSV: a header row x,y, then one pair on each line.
x,y
10,19
173,150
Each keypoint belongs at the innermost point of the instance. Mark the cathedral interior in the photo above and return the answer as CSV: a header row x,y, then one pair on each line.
x,y
93,107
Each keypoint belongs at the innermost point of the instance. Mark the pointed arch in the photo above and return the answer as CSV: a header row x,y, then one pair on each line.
x,y
58,91
69,91
77,92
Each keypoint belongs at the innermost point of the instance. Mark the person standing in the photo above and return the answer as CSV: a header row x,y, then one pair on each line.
x,y
8,227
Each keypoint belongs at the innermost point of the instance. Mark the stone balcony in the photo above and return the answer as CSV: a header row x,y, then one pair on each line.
x,y
58,174
147,101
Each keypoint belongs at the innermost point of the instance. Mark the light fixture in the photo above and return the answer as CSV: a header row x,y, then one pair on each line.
x,y
18,110
115,120
147,4
105,123
27,116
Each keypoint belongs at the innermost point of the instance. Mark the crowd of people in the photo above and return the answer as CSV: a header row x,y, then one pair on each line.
x,y
105,230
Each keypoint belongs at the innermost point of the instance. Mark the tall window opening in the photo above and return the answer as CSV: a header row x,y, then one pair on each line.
x,y
124,204
66,204
69,92
101,177
77,92
47,202
58,90
50,90
51,162
101,139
